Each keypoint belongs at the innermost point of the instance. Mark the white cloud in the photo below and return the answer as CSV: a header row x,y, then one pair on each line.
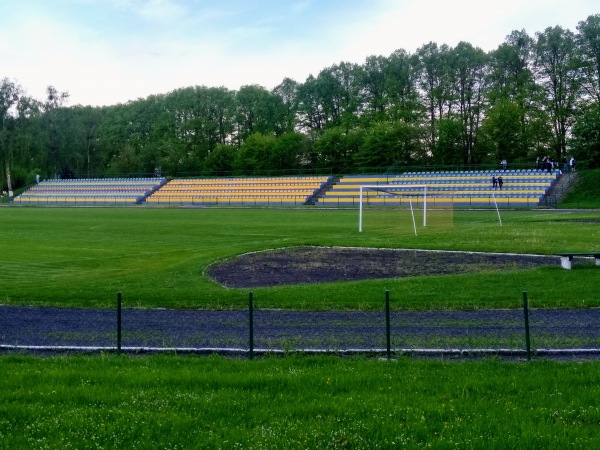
x,y
155,46
153,10
485,24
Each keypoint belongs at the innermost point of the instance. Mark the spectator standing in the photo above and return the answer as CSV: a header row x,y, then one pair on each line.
x,y
494,182
500,182
504,163
537,163
572,163
565,165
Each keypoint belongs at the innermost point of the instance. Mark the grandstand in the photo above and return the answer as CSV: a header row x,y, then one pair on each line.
x,y
113,191
444,189
474,188
240,191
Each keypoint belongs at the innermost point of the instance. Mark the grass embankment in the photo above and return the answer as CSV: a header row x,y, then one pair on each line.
x,y
295,402
586,193
157,257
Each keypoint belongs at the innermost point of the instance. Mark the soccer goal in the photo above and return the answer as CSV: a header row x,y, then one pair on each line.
x,y
393,194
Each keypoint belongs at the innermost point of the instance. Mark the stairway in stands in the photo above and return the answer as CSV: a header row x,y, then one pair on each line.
x,y
320,192
559,189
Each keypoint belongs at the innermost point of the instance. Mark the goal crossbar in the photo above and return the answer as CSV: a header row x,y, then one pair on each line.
x,y
388,188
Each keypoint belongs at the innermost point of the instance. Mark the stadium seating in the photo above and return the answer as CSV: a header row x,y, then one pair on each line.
x,y
455,189
111,191
520,188
240,191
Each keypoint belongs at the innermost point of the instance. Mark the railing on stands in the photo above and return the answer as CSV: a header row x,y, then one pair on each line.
x,y
224,174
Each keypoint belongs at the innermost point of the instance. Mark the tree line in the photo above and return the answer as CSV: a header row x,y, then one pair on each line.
x,y
533,96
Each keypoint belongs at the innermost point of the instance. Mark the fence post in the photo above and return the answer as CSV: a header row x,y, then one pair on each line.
x,y
251,325
387,323
119,322
526,314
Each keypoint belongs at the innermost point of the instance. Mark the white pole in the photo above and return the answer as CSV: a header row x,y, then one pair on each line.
x,y
360,211
413,216
424,206
497,210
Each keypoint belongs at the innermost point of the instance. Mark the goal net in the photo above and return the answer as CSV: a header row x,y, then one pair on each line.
x,y
404,206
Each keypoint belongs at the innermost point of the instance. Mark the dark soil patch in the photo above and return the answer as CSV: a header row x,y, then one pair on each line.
x,y
329,264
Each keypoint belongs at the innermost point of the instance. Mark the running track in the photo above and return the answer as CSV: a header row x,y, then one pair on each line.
x,y
444,332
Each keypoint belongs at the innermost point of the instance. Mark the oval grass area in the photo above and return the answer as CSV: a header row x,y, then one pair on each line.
x,y
306,264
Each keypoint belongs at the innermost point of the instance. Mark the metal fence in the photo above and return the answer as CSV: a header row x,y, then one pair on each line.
x,y
254,331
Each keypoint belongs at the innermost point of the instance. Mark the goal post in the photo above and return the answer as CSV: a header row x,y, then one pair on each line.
x,y
393,189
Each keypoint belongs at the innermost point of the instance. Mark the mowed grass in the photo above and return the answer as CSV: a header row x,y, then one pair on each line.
x,y
81,257
157,258
113,402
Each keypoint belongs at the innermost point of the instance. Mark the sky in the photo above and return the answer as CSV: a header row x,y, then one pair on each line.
x,y
105,52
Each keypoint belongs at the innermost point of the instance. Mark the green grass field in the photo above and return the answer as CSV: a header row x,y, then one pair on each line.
x,y
157,257
295,402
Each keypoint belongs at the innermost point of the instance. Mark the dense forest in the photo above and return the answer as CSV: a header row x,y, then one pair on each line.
x,y
533,96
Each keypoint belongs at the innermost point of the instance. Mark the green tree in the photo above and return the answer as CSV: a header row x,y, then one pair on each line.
x,y
448,149
129,132
336,147
401,87
433,82
330,94
10,93
510,76
388,144
347,92
511,92
77,138
311,116
586,137
27,139
557,71
331,99
501,133
588,42
255,155
287,91
53,113
220,162
290,151
125,162
469,66
374,88
258,111
203,118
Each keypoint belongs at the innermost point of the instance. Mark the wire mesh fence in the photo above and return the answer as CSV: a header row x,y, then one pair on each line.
x,y
519,332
